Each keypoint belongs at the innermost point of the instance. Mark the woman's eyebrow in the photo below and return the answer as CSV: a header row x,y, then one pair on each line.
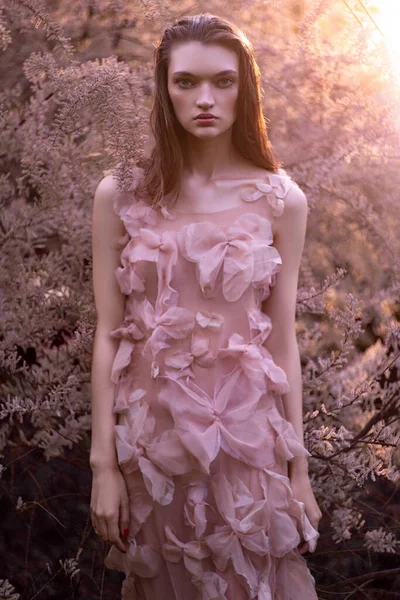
x,y
225,72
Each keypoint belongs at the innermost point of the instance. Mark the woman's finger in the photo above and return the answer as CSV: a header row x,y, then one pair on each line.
x,y
124,516
94,525
114,535
102,528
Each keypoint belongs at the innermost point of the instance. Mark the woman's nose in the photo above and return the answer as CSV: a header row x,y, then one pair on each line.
x,y
205,95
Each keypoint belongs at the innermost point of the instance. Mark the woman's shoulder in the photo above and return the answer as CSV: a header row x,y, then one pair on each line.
x,y
108,186
277,188
106,190
122,178
108,232
293,195
291,205
120,184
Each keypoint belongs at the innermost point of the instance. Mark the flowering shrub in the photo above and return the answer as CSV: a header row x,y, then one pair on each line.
x,y
72,107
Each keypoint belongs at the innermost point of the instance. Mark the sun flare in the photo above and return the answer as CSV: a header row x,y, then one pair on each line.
x,y
387,17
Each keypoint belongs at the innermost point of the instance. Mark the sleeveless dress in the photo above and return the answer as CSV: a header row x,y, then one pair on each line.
x,y
201,434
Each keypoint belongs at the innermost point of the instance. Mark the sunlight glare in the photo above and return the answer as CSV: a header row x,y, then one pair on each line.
x,y
387,18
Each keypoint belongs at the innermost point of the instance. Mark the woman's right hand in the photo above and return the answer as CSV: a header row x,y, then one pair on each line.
x,y
109,505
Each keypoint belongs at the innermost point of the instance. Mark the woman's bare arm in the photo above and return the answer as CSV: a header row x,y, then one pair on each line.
x,y
280,306
107,230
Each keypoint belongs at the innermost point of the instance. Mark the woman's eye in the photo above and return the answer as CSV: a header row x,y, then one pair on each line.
x,y
226,79
179,81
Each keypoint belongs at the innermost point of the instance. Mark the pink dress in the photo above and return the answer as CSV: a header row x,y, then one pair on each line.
x,y
201,435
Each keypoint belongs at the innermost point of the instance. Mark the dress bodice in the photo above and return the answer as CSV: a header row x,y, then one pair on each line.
x,y
195,282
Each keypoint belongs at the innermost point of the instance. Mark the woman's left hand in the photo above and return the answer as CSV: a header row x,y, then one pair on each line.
x,y
302,492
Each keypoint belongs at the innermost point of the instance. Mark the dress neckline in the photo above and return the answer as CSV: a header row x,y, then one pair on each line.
x,y
255,182
214,212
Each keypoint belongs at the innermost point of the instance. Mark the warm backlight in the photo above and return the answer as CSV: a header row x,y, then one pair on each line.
x,y
387,17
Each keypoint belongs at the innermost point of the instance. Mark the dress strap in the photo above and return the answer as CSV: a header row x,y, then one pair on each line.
x,y
274,189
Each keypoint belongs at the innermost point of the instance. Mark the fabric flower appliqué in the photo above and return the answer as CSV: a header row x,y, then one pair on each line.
x,y
230,420
131,441
128,277
142,561
135,215
242,252
198,354
245,520
160,249
126,396
256,362
287,520
209,320
157,459
175,323
211,585
195,506
192,553
274,192
129,333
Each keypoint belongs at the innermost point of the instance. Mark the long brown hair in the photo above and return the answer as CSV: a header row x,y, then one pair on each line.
x,y
163,168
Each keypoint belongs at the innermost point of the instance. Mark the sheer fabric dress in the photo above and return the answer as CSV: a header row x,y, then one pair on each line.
x,y
201,434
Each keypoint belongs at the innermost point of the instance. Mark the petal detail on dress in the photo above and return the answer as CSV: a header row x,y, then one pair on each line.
x,y
277,376
141,503
225,545
275,190
174,323
160,487
131,440
206,424
238,272
127,398
195,506
211,586
191,552
293,574
288,522
199,354
142,560
179,360
122,359
260,325
136,216
267,261
194,420
232,250
307,531
162,250
210,320
196,239
288,445
241,512
168,453
128,278
128,334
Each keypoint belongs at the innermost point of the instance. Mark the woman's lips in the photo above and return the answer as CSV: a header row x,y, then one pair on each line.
x,y
206,121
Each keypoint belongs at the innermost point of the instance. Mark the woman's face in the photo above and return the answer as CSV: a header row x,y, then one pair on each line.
x,y
203,78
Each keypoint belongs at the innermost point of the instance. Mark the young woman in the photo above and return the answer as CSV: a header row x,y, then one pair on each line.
x,y
200,474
